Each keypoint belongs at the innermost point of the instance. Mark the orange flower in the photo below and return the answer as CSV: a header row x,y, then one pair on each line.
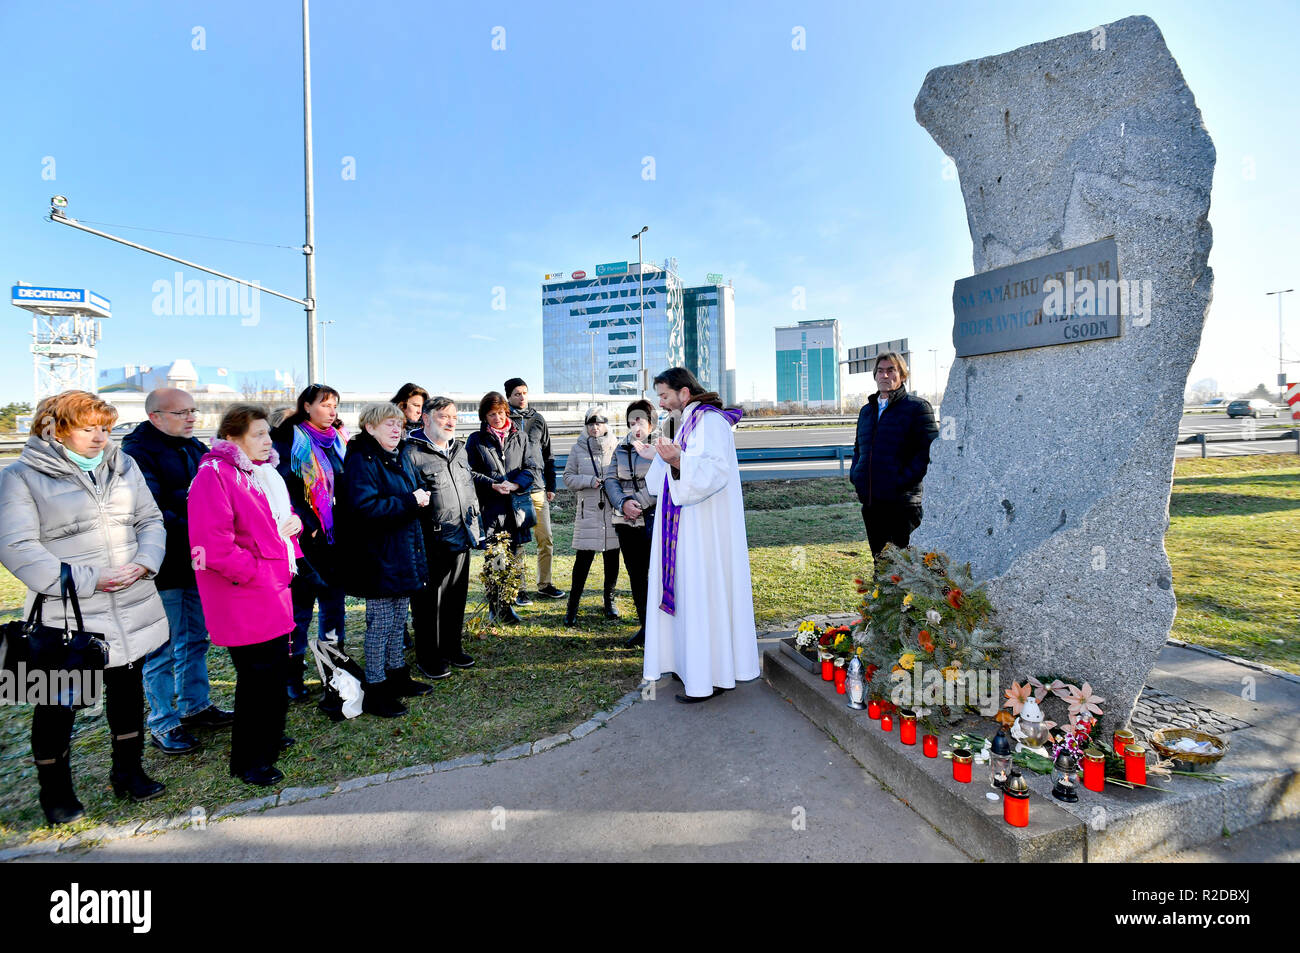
x,y
895,578
927,642
954,598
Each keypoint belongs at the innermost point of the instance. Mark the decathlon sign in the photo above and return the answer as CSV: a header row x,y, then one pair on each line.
x,y
81,300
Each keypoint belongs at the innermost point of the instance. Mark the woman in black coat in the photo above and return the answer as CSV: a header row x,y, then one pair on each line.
x,y
386,551
311,443
503,461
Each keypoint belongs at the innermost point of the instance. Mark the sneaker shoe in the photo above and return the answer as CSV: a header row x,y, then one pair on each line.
x,y
462,661
210,717
176,741
522,599
550,592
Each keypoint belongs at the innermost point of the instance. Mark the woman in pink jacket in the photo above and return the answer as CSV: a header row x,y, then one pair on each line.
x,y
243,534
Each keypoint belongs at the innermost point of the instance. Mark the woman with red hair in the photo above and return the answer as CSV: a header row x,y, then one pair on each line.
x,y
74,498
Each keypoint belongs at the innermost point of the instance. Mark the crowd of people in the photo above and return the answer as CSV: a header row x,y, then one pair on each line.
x,y
174,546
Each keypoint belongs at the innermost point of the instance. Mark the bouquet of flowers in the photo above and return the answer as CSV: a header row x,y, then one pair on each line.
x,y
920,610
502,579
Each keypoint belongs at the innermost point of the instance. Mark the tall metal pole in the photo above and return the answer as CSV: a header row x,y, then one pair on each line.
x,y
1281,370
309,248
324,354
643,376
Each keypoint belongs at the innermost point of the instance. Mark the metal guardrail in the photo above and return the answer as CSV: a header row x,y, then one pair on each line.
x,y
838,452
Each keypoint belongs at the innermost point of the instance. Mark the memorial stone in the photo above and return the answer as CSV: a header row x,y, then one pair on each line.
x,y
1054,465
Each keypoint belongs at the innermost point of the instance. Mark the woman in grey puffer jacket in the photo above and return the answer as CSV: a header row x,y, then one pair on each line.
x,y
73,497
593,525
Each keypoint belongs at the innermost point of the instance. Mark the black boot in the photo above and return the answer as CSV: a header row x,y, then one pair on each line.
x,y
128,777
402,685
297,668
636,640
610,611
378,699
58,800
571,613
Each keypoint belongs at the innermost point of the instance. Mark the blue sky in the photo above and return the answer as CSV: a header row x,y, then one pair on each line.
x,y
478,169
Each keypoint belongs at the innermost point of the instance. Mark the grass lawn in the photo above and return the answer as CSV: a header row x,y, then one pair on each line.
x,y
1233,520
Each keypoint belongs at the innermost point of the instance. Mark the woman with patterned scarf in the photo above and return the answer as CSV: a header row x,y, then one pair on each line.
x,y
311,445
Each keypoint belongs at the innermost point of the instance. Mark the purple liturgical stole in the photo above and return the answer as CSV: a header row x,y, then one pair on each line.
x,y
672,512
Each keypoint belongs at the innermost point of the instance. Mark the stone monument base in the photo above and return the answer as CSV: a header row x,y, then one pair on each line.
x,y
1117,825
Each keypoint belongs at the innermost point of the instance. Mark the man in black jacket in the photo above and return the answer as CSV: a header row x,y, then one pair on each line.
x,y
534,427
451,530
891,454
176,673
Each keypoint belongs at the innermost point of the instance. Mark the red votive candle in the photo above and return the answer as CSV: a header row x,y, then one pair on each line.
x,y
1121,739
930,745
886,722
907,726
1094,769
840,676
873,709
1135,764
1015,802
828,669
961,762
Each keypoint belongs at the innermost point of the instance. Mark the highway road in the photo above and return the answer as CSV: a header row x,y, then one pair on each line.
x,y
1218,428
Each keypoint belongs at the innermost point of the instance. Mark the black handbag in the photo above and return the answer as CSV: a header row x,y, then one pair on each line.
x,y
48,648
525,515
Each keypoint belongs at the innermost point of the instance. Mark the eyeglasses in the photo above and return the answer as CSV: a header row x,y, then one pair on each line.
x,y
192,412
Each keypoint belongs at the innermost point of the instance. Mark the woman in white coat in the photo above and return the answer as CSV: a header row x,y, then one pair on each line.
x,y
593,523
73,497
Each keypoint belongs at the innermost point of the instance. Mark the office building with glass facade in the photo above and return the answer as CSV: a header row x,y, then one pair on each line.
x,y
591,328
808,363
710,332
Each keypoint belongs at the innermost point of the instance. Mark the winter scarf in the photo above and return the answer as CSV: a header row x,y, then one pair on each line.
x,y
309,460
264,478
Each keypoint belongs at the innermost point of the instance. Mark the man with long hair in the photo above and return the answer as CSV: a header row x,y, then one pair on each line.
x,y
700,605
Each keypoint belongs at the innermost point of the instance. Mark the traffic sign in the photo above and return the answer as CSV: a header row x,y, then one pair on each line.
x,y
1292,397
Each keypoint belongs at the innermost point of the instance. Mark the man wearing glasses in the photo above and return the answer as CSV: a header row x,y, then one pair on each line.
x,y
176,673
891,454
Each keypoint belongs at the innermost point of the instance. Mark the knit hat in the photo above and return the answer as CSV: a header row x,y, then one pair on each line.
x,y
513,383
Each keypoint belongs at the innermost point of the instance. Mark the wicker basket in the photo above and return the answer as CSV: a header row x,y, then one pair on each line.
x,y
1162,740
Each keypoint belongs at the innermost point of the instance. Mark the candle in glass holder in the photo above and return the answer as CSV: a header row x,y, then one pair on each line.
x,y
1122,739
1135,764
1094,769
907,726
1015,800
886,722
828,669
961,762
930,745
840,677
873,709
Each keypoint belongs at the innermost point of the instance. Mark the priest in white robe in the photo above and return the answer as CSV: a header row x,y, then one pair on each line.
x,y
700,601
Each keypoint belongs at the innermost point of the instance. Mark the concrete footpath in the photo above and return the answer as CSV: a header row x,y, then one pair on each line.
x,y
743,777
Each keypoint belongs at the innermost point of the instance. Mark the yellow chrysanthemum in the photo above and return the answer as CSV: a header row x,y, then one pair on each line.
x,y
907,660
952,672
907,599
875,593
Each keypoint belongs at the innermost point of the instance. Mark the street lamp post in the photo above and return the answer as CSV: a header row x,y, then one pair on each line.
x,y
592,335
324,372
642,374
309,246
1281,370
934,354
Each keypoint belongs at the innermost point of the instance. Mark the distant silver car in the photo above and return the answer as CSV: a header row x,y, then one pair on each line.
x,y
1258,407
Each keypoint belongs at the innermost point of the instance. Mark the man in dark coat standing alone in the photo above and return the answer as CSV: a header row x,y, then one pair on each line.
x,y
891,454
176,673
